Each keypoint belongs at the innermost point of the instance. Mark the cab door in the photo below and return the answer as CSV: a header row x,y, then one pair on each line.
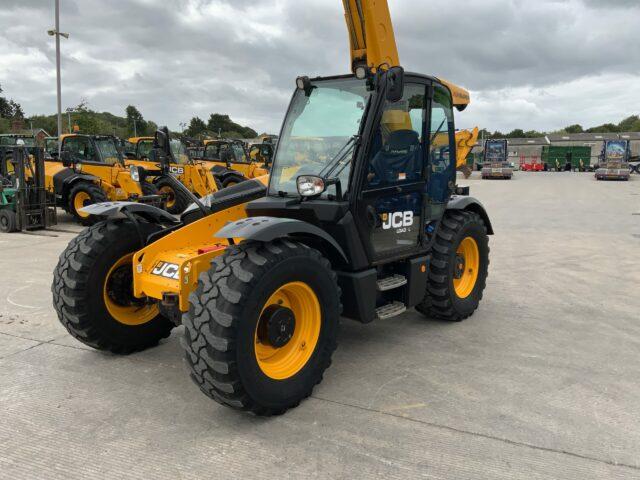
x,y
393,195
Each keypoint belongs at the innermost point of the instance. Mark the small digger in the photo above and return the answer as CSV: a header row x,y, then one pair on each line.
x,y
196,176
260,273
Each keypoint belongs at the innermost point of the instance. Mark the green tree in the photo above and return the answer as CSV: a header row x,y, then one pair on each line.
x,y
9,108
196,127
136,124
224,126
577,128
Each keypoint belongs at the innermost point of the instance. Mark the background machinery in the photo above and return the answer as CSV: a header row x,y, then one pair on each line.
x,y
614,161
24,202
465,141
231,163
496,160
195,175
259,275
92,170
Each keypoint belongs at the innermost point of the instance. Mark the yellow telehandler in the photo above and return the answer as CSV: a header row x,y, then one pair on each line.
x,y
369,224
196,176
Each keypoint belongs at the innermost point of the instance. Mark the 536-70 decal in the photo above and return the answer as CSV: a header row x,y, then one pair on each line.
x,y
167,270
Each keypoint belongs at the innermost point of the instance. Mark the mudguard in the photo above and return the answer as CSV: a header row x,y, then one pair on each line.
x,y
120,209
266,229
458,202
64,180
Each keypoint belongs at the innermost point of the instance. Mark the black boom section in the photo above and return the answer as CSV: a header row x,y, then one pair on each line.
x,y
229,197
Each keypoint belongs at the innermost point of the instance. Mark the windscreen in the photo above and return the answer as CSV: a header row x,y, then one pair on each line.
x,y
108,150
616,151
318,134
496,152
179,151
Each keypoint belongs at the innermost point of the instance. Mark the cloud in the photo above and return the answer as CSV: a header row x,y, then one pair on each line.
x,y
542,64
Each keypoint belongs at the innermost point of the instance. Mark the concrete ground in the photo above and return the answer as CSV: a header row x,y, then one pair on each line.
x,y
543,382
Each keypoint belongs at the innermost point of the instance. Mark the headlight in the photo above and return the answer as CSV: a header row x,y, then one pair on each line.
x,y
310,186
135,173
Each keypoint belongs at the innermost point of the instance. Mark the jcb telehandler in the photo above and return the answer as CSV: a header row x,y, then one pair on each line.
x,y
260,275
231,163
92,170
196,176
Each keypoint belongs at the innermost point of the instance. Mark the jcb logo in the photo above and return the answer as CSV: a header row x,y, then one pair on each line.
x,y
397,220
167,270
176,170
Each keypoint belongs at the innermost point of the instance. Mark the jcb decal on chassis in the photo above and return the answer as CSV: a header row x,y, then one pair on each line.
x,y
397,220
167,270
176,170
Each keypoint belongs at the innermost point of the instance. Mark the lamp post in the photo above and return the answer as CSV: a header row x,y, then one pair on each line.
x,y
57,33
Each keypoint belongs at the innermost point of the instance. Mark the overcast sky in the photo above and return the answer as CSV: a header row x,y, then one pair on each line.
x,y
531,64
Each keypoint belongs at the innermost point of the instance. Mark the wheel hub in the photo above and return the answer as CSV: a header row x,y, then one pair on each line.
x,y
119,287
279,325
459,267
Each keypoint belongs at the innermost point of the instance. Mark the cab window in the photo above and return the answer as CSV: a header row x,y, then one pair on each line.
x,y
144,149
80,148
441,153
397,154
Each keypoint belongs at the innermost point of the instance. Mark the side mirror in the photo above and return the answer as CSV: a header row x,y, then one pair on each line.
x,y
395,84
161,147
67,161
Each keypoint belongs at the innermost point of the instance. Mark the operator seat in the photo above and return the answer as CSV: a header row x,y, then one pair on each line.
x,y
400,159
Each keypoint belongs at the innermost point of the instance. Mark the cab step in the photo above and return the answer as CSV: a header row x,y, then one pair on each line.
x,y
390,310
391,283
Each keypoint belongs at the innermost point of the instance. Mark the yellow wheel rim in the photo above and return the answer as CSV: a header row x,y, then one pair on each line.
x,y
170,195
82,199
284,362
131,315
468,265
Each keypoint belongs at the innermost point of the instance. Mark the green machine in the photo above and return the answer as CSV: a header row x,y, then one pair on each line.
x,y
24,201
566,158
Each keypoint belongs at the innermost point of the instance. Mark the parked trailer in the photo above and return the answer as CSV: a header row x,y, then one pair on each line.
x,y
566,158
614,161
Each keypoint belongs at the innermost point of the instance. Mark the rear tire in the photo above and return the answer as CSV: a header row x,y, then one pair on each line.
x,y
224,352
8,221
448,298
177,201
232,180
81,195
85,280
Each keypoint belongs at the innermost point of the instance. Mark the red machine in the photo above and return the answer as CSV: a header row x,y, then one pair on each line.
x,y
532,164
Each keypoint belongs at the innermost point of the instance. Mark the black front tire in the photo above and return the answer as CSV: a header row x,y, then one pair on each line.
x,y
231,180
179,200
8,221
441,300
78,289
95,194
223,317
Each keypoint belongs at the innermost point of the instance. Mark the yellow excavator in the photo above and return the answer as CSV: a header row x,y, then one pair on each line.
x,y
196,176
465,141
365,225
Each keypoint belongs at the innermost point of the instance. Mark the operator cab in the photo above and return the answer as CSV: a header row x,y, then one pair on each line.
x,y
364,167
91,149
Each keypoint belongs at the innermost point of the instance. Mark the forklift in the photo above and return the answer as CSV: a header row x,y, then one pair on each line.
x,y
25,204
614,161
496,160
260,273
